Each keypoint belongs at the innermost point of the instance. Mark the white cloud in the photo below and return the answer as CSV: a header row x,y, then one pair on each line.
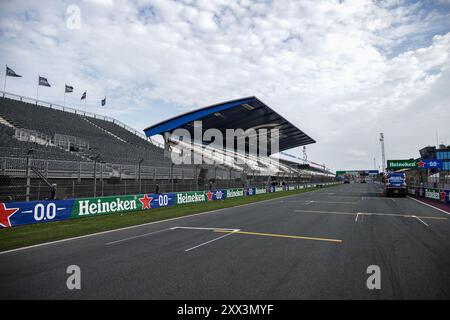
x,y
340,71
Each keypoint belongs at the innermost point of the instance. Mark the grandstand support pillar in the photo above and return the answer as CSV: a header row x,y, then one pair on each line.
x,y
139,175
171,176
46,168
229,179
79,171
101,176
27,195
215,176
196,177
95,178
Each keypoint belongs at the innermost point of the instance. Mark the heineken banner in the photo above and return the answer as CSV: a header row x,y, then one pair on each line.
x,y
191,197
434,194
249,191
260,190
413,164
233,193
20,213
220,194
401,164
108,205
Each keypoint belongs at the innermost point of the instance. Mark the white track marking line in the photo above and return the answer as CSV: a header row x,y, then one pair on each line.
x,y
149,223
136,237
202,228
315,201
371,214
421,220
357,215
428,205
215,239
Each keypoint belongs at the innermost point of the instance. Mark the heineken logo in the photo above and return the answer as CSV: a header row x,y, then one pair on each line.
x,y
432,194
187,197
102,206
235,193
397,164
260,190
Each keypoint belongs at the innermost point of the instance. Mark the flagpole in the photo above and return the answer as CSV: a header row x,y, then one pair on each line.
x,y
64,97
37,93
4,84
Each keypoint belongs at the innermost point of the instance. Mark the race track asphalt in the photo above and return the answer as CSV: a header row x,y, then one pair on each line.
x,y
315,245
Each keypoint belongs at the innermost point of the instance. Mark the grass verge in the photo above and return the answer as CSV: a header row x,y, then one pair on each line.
x,y
12,238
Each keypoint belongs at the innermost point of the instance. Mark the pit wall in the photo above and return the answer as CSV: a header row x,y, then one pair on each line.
x,y
13,214
438,195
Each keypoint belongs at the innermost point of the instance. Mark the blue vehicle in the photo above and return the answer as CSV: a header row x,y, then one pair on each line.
x,y
395,184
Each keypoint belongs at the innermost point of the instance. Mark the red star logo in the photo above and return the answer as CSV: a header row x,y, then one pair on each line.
x,y
421,164
146,200
443,196
5,214
209,194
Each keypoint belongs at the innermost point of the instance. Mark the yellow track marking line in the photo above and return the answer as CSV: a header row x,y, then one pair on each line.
x,y
280,236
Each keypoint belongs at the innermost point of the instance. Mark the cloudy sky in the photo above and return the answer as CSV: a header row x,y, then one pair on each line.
x,y
342,71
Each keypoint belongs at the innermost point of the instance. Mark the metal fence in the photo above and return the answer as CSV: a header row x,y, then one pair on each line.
x,y
85,179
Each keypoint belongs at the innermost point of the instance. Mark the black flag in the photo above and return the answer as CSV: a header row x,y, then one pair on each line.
x,y
10,72
103,101
83,96
69,88
43,82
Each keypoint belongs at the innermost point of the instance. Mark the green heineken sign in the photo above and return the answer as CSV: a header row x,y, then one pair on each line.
x,y
401,164
105,205
191,197
233,193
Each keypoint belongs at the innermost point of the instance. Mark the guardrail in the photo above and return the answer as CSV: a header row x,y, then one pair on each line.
x,y
22,213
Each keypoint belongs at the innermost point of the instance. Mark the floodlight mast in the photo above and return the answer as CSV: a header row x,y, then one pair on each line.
x,y
383,156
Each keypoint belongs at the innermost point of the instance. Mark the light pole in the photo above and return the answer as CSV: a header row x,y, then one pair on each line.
x,y
383,157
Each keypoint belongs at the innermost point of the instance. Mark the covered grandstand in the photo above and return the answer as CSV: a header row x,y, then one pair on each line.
x,y
85,154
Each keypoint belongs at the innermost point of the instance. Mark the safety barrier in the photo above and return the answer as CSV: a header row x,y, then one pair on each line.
x,y
441,195
13,214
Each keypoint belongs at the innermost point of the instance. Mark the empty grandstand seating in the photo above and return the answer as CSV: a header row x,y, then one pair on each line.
x,y
107,139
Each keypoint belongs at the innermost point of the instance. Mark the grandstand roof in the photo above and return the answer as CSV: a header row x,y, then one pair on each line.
x,y
242,113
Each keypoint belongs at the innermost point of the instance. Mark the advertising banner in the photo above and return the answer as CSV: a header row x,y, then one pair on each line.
x,y
434,194
219,194
430,164
191,197
19,213
401,164
260,190
105,205
249,191
154,201
233,193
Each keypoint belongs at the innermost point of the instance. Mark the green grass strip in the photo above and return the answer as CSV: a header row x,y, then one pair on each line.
x,y
12,238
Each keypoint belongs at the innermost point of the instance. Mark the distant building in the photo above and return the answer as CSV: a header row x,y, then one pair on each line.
x,y
441,153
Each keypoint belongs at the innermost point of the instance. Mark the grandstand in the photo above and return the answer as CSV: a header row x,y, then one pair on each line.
x,y
85,154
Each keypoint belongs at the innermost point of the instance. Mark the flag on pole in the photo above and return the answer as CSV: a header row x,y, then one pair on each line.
x,y
69,89
83,96
103,102
10,72
43,82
